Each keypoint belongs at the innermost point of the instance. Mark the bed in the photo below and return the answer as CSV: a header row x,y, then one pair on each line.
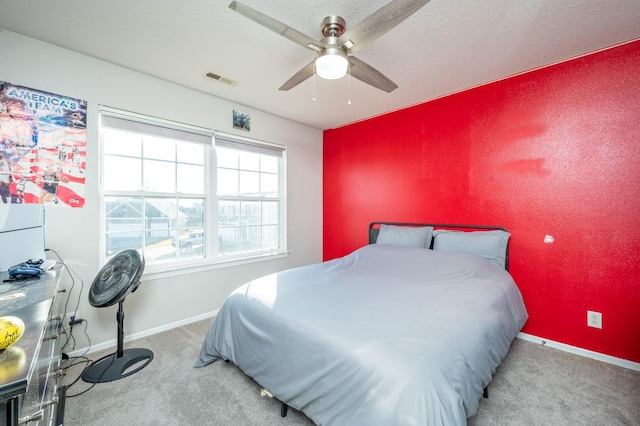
x,y
407,330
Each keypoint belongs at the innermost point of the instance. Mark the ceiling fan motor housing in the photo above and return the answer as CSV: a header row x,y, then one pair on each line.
x,y
333,26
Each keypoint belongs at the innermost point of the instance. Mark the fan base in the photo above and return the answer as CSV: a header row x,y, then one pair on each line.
x,y
113,367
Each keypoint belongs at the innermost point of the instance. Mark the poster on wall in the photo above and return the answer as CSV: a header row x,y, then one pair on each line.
x,y
241,120
43,139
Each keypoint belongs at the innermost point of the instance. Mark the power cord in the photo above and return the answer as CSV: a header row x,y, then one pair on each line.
x,y
72,275
71,342
89,363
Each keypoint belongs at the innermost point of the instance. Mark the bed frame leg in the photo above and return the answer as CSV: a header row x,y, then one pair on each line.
x,y
283,409
485,392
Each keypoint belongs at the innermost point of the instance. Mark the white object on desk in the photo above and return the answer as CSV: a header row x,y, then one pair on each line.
x,y
22,234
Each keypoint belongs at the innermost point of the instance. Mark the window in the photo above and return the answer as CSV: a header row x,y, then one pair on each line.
x,y
249,197
163,195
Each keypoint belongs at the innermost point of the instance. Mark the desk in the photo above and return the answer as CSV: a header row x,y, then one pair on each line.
x,y
30,376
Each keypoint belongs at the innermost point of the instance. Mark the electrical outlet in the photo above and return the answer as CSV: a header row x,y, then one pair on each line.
x,y
594,319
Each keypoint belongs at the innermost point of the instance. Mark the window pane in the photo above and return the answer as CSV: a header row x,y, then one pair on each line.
x,y
160,219
192,153
115,243
269,164
252,238
168,228
159,148
227,182
191,213
249,183
269,185
228,229
159,176
164,209
228,213
190,244
123,224
249,161
227,158
122,143
190,179
229,240
270,237
119,209
122,173
171,255
270,213
251,214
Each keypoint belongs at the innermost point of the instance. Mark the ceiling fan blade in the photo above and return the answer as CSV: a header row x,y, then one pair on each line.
x,y
276,26
378,23
367,74
299,77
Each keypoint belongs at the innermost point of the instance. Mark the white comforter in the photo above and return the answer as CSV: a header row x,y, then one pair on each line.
x,y
384,336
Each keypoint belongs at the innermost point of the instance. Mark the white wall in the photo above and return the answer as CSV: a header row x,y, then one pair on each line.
x,y
74,233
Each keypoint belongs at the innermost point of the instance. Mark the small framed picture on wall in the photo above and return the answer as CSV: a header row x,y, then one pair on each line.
x,y
241,120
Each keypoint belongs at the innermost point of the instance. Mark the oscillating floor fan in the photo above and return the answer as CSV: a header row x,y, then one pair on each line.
x,y
119,277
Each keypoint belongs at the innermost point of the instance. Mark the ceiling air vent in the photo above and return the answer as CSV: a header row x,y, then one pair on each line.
x,y
221,78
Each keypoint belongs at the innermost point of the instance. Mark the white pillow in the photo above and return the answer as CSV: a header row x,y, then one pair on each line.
x,y
408,236
489,244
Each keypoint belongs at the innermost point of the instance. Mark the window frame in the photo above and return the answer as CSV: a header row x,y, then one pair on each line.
x,y
225,140
212,258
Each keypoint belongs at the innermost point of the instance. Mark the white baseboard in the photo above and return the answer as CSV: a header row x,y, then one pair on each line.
x,y
582,352
113,343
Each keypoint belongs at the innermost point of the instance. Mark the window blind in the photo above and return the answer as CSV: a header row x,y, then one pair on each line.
x,y
139,123
234,142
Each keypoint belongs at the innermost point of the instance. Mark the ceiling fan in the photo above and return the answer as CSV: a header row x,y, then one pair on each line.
x,y
334,51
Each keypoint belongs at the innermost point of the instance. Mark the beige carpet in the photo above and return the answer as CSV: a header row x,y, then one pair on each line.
x,y
535,385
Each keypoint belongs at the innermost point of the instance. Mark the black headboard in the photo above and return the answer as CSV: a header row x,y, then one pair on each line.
x,y
374,229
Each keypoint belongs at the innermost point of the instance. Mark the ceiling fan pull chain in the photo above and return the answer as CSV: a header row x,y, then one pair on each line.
x,y
349,85
314,81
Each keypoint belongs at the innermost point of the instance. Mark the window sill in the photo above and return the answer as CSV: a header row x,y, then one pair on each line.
x,y
158,272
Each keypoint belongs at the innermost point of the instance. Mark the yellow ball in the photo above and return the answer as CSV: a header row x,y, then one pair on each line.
x,y
11,329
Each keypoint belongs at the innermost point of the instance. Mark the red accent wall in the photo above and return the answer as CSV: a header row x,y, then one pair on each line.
x,y
555,152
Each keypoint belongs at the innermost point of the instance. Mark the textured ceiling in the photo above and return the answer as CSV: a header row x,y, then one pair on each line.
x,y
446,47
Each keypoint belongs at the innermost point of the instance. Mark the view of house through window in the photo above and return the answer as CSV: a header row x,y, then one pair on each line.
x,y
163,196
248,201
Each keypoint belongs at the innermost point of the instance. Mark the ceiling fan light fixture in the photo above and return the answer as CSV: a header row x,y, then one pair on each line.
x,y
332,63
